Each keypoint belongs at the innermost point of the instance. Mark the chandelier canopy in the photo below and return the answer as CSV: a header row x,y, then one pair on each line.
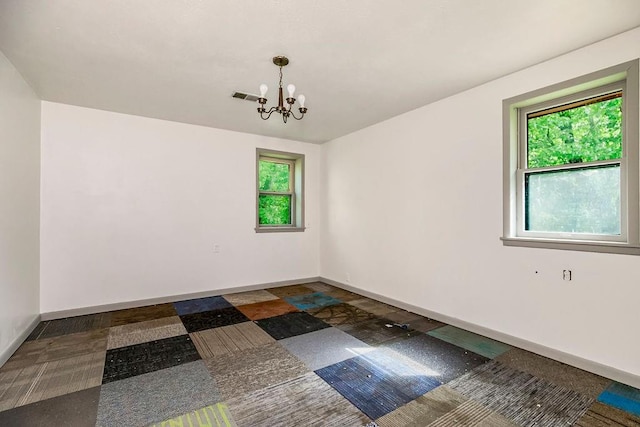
x,y
285,111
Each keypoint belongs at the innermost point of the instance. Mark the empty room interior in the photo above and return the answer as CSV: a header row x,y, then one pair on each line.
x,y
292,213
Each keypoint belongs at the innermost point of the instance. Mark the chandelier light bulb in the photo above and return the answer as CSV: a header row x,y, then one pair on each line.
x,y
263,90
301,100
291,89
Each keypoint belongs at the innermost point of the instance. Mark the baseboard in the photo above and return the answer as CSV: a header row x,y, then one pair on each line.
x,y
17,342
570,359
52,315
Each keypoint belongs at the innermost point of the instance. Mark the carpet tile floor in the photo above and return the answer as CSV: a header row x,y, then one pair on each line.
x,y
303,355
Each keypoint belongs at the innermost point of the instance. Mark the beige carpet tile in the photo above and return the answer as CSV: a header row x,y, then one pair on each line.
x,y
59,347
583,382
142,314
601,415
372,306
140,332
50,379
424,410
217,415
238,373
70,325
320,287
341,314
290,291
472,414
251,297
302,401
228,339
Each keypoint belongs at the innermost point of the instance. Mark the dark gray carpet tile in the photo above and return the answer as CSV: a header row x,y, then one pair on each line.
x,y
291,325
70,325
377,331
601,415
238,373
302,401
78,409
125,362
156,396
521,397
446,361
583,382
213,319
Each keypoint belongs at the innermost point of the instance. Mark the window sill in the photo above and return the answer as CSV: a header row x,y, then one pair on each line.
x,y
279,229
590,246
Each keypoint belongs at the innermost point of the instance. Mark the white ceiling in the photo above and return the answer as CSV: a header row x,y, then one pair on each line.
x,y
357,61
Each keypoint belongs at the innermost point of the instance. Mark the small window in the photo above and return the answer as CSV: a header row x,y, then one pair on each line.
x,y
279,191
571,171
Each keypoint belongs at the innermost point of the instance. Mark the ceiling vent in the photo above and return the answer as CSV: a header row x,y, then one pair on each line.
x,y
245,96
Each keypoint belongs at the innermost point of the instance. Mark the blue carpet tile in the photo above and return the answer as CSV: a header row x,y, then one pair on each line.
x,y
200,304
213,319
376,384
622,397
311,301
125,362
472,342
291,325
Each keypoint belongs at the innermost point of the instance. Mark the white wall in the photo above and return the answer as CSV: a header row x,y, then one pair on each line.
x,y
412,210
19,206
132,208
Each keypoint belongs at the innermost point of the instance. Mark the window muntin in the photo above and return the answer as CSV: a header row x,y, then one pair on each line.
x,y
276,198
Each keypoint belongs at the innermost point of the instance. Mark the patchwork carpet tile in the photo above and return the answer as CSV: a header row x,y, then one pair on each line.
x,y
78,409
623,397
600,415
140,332
424,410
291,325
521,397
156,396
377,331
200,304
228,339
310,301
125,362
210,416
583,382
290,291
59,347
251,297
142,314
341,314
376,385
212,319
445,361
50,379
236,374
70,325
324,347
372,306
262,310
473,342
302,401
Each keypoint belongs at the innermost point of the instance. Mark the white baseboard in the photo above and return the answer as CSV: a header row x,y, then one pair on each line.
x,y
52,315
570,359
17,342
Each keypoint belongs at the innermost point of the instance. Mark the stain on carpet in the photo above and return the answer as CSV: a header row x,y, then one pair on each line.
x,y
341,314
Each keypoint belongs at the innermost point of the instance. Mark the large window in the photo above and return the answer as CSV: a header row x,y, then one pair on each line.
x,y
571,164
280,185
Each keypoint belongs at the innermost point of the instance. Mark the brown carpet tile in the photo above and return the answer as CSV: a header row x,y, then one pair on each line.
x,y
265,309
341,314
425,409
291,291
228,339
601,415
70,325
372,306
142,314
140,332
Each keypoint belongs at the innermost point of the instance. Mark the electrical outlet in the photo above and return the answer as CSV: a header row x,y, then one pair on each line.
x,y
566,275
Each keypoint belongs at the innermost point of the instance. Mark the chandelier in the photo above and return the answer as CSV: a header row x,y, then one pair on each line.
x,y
284,110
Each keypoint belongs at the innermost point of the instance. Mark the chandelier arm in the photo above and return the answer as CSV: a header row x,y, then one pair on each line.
x,y
269,113
294,116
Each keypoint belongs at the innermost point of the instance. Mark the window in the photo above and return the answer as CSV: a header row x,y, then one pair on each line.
x,y
279,195
571,164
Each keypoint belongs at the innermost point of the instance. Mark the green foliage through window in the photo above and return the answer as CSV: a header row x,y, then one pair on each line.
x,y
275,198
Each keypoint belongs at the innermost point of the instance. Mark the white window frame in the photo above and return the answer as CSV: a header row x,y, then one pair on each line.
x,y
621,77
296,187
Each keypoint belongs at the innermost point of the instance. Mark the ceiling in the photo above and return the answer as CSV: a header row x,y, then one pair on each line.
x,y
357,61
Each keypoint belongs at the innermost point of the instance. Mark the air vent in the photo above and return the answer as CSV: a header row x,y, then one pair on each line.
x,y
245,96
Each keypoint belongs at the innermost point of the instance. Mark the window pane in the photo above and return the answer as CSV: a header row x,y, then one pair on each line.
x,y
274,210
583,200
584,133
274,176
